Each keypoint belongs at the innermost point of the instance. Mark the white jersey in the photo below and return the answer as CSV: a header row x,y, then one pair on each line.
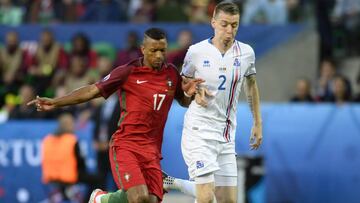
x,y
223,75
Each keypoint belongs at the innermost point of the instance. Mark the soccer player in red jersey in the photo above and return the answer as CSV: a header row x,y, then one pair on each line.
x,y
146,88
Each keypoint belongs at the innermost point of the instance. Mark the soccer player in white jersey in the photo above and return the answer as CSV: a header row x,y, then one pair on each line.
x,y
208,140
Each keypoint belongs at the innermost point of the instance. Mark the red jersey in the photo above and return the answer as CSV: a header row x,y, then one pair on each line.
x,y
145,97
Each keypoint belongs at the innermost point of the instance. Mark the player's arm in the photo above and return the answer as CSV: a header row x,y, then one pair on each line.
x,y
188,90
77,96
253,98
107,86
189,84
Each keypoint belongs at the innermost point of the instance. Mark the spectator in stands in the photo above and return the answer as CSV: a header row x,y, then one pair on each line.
x,y
199,11
105,66
275,12
81,46
325,89
12,61
104,11
296,10
50,59
68,10
79,75
145,13
62,163
303,91
41,11
346,17
342,90
177,56
9,13
171,11
323,10
132,50
21,110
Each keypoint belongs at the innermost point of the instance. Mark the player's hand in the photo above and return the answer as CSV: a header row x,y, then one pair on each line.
x,y
201,96
42,103
256,136
190,85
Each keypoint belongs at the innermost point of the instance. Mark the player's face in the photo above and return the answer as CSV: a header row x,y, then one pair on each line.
x,y
154,52
225,26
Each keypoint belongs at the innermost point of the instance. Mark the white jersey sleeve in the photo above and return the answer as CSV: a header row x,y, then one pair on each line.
x,y
189,68
251,65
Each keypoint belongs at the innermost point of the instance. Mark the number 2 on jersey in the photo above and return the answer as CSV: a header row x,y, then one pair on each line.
x,y
157,105
222,85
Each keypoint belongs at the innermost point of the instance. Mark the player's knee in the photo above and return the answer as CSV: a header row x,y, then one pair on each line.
x,y
226,199
139,198
143,199
205,197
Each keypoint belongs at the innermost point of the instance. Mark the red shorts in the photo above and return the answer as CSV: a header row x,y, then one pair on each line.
x,y
129,169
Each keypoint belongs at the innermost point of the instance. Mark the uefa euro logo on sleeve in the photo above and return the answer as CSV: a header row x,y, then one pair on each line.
x,y
199,164
206,63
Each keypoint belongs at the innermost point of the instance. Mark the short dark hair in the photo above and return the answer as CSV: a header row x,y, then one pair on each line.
x,y
226,7
155,33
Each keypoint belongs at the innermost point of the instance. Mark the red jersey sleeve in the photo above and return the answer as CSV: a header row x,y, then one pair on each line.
x,y
113,81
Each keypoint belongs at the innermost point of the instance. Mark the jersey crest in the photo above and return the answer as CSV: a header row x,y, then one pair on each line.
x,y
170,90
237,63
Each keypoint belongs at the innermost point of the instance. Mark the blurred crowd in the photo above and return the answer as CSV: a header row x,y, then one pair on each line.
x,y
338,27
15,12
330,86
52,69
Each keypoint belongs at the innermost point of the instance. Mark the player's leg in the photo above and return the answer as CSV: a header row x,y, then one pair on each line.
x,y
205,188
226,194
128,177
200,155
226,177
185,186
154,181
100,196
138,194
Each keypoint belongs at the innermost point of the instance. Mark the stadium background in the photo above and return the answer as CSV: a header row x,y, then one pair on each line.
x,y
311,129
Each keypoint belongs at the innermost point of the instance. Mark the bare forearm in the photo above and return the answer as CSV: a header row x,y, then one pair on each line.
x,y
185,101
78,96
253,98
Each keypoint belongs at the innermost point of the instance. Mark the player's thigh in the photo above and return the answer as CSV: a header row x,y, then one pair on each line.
x,y
125,168
200,155
153,178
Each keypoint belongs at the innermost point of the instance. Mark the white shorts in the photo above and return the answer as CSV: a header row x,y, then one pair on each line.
x,y
207,156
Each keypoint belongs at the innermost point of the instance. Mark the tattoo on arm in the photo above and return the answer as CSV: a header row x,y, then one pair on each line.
x,y
250,80
252,96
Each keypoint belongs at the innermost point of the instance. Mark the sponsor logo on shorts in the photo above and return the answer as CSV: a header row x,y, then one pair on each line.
x,y
127,177
195,128
199,164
